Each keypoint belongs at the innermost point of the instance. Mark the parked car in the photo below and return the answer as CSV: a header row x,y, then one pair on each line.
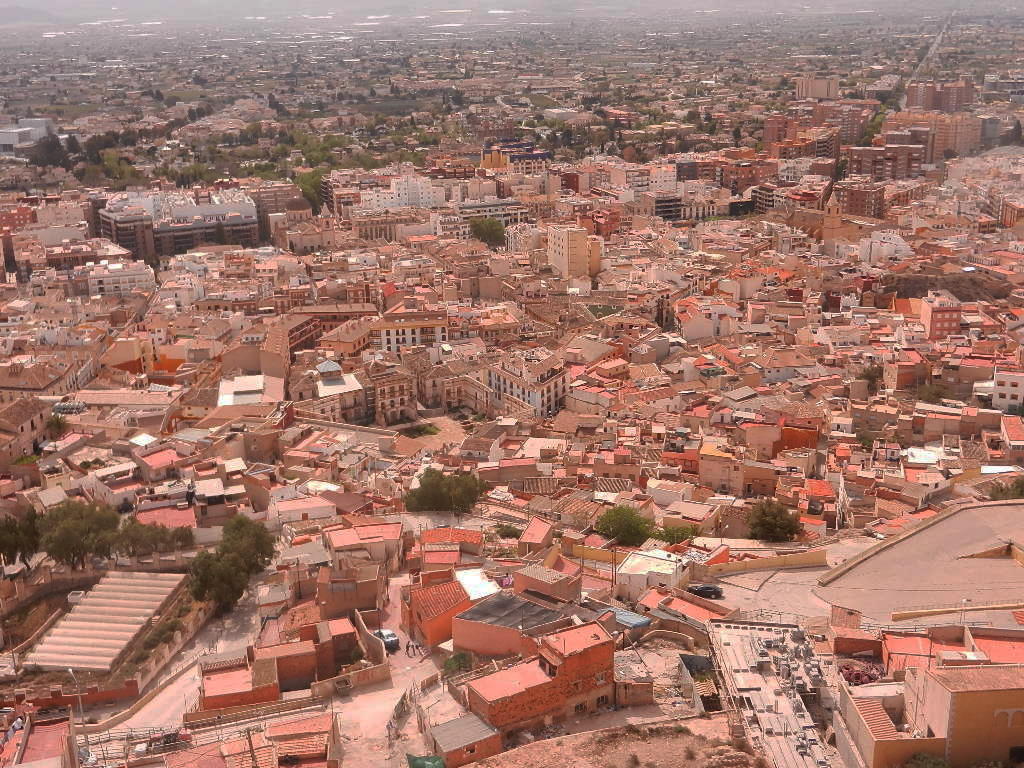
x,y
708,591
392,642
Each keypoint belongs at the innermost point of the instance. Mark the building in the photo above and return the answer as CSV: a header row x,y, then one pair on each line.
x,y
944,96
1008,389
536,378
159,225
892,161
571,674
940,314
964,713
112,278
573,252
810,87
411,323
950,135
860,196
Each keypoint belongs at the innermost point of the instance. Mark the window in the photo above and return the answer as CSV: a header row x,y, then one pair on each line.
x,y
600,678
581,707
602,701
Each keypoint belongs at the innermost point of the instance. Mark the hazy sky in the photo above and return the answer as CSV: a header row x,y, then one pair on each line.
x,y
356,10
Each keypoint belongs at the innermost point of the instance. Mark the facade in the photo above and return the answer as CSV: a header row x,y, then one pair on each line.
x,y
811,87
940,314
573,252
536,378
572,674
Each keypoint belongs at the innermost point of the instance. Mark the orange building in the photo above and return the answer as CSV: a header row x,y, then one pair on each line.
x,y
572,674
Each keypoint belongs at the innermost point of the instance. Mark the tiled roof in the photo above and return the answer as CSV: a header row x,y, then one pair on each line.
x,y
438,599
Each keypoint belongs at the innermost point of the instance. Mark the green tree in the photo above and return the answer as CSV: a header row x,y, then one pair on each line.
x,y
448,493
49,152
676,534
72,145
921,760
218,577
771,521
932,392
488,230
74,531
246,548
625,525
19,537
309,183
250,541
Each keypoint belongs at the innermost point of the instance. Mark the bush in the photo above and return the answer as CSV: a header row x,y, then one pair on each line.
x,y
625,525
771,521
507,531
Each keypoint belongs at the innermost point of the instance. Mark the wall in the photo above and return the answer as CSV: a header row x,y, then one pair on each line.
x,y
583,552
324,689
488,747
809,558
483,639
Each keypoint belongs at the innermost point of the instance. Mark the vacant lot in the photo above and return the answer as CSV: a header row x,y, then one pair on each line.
x,y
685,744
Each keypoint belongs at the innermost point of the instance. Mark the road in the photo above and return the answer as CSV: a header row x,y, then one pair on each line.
x,y
928,56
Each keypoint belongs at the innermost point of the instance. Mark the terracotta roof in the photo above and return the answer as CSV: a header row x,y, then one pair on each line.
x,y
438,599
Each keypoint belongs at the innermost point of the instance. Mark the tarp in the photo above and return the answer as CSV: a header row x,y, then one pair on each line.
x,y
429,761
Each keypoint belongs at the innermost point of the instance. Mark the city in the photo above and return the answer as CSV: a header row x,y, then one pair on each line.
x,y
613,386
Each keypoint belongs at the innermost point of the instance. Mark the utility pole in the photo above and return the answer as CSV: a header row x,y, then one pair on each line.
x,y
252,751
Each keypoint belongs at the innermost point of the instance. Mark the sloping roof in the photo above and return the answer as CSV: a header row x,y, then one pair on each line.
x,y
438,599
461,732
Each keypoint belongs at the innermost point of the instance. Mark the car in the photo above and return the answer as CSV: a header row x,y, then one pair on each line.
x,y
391,641
709,591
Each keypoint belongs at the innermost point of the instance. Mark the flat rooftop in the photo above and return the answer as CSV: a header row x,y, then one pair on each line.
x,y
932,566
766,677
508,610
96,631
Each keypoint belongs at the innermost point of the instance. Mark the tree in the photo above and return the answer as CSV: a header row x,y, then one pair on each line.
x,y
19,538
771,521
625,525
49,152
932,392
56,425
74,531
488,230
246,548
438,492
216,577
921,760
250,541
676,534
737,134
72,145
309,183
871,374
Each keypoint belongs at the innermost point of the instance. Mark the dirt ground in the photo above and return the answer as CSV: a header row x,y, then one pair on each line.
x,y
684,744
451,431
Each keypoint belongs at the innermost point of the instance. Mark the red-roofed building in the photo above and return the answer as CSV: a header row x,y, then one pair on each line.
x,y
573,674
538,535
430,608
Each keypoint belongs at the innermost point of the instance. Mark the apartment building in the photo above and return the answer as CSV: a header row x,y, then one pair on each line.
x,y
534,377
892,161
574,252
810,87
940,314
